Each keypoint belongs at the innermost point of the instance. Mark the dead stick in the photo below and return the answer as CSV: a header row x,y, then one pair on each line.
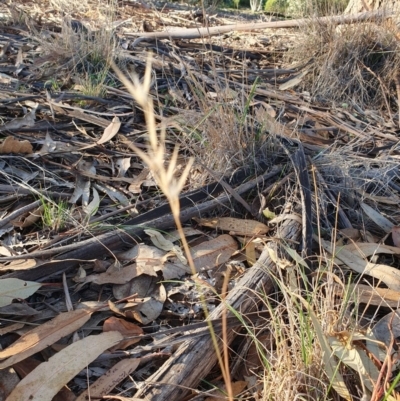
x,y
194,33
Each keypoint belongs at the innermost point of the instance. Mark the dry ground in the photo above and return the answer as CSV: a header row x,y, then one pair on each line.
x,y
285,235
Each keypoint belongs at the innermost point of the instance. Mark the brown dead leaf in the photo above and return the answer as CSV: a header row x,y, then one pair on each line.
x,y
114,275
351,233
19,264
127,329
150,293
251,253
29,219
210,254
371,295
44,335
136,184
44,382
236,226
371,248
12,145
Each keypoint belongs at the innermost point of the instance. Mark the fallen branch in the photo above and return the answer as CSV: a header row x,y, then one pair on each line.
x,y
69,256
195,33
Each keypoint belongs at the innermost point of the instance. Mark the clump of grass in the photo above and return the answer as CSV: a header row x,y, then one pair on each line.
x,y
55,215
355,63
222,132
80,55
300,323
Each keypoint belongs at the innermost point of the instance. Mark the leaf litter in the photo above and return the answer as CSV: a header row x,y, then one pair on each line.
x,y
75,198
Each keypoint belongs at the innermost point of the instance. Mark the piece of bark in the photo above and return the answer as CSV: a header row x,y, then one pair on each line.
x,y
195,358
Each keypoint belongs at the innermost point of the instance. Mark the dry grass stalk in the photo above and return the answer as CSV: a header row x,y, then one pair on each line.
x,y
165,177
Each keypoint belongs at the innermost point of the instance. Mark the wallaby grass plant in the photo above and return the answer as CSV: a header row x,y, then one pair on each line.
x,y
55,215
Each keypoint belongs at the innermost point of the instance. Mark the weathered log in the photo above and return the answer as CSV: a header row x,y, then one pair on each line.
x,y
195,358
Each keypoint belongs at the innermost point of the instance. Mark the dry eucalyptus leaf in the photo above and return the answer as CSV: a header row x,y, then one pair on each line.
x,y
24,175
357,359
149,259
82,188
237,226
158,240
351,233
381,221
151,294
187,232
110,131
387,274
122,164
386,327
365,294
44,335
127,329
114,275
4,251
175,270
371,248
29,218
210,254
137,182
44,382
19,264
12,288
28,120
116,195
130,254
49,145
93,206
18,310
